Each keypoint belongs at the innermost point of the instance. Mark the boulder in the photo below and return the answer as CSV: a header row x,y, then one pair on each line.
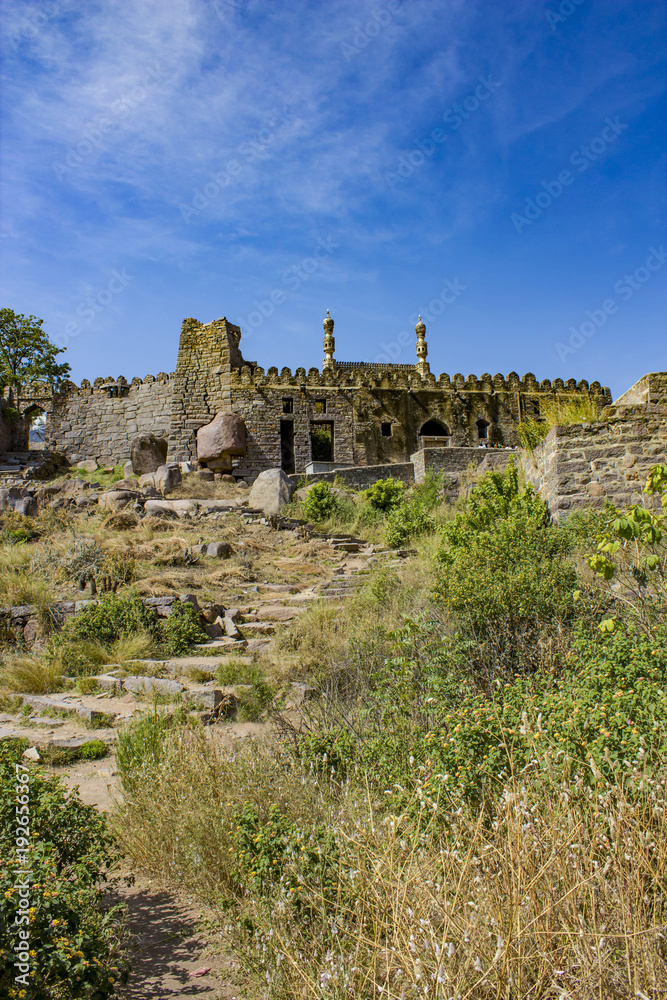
x,y
221,440
165,479
149,685
88,465
271,490
205,474
26,506
127,469
115,499
219,550
148,453
182,508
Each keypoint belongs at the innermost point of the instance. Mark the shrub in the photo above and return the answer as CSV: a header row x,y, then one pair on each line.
x,y
321,503
110,619
73,940
384,495
409,520
181,629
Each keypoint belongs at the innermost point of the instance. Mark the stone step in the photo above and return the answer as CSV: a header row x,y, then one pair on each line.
x,y
41,701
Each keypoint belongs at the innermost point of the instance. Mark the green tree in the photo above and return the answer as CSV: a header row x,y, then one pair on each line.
x,y
27,355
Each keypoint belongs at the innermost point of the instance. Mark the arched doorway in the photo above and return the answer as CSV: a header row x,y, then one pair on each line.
x,y
434,434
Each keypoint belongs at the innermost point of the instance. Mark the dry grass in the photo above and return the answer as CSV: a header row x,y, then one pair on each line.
x,y
30,674
556,891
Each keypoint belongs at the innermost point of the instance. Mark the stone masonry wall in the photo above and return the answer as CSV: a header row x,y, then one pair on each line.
x,y
585,464
86,423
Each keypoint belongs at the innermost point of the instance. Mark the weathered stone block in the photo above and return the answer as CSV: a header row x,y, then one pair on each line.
x,y
148,453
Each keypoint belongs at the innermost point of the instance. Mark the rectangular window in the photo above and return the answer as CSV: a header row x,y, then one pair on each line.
x,y
320,406
288,406
386,430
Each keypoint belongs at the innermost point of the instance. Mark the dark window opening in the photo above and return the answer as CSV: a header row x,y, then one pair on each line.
x,y
288,406
320,406
321,442
482,430
536,410
386,430
287,445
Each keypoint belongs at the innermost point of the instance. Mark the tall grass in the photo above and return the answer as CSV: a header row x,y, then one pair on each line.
x,y
556,890
559,410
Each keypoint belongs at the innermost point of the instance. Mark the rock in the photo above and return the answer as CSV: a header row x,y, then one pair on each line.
x,y
231,629
147,685
26,506
34,634
205,474
211,613
302,692
147,453
88,501
32,753
271,490
226,478
213,630
219,550
167,478
127,469
190,599
181,508
205,697
233,613
241,484
108,682
115,499
186,467
88,465
221,440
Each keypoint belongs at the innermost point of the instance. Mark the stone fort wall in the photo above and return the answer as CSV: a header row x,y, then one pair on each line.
x,y
99,420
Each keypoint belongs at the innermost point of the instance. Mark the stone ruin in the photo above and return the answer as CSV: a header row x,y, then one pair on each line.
x,y
358,420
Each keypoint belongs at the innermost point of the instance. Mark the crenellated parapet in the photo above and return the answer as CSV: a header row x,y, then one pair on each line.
x,y
359,375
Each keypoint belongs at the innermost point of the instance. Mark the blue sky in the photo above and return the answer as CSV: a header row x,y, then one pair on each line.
x,y
499,167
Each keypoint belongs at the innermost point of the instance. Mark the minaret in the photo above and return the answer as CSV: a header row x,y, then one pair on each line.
x,y
422,365
329,344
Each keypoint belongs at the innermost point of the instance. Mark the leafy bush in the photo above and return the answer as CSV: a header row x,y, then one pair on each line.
x,y
115,619
409,520
632,552
109,619
73,940
321,503
181,629
385,494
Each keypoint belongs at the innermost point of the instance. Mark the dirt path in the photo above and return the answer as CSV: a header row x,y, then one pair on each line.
x,y
168,944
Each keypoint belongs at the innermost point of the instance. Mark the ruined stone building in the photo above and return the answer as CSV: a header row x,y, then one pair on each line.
x,y
348,414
